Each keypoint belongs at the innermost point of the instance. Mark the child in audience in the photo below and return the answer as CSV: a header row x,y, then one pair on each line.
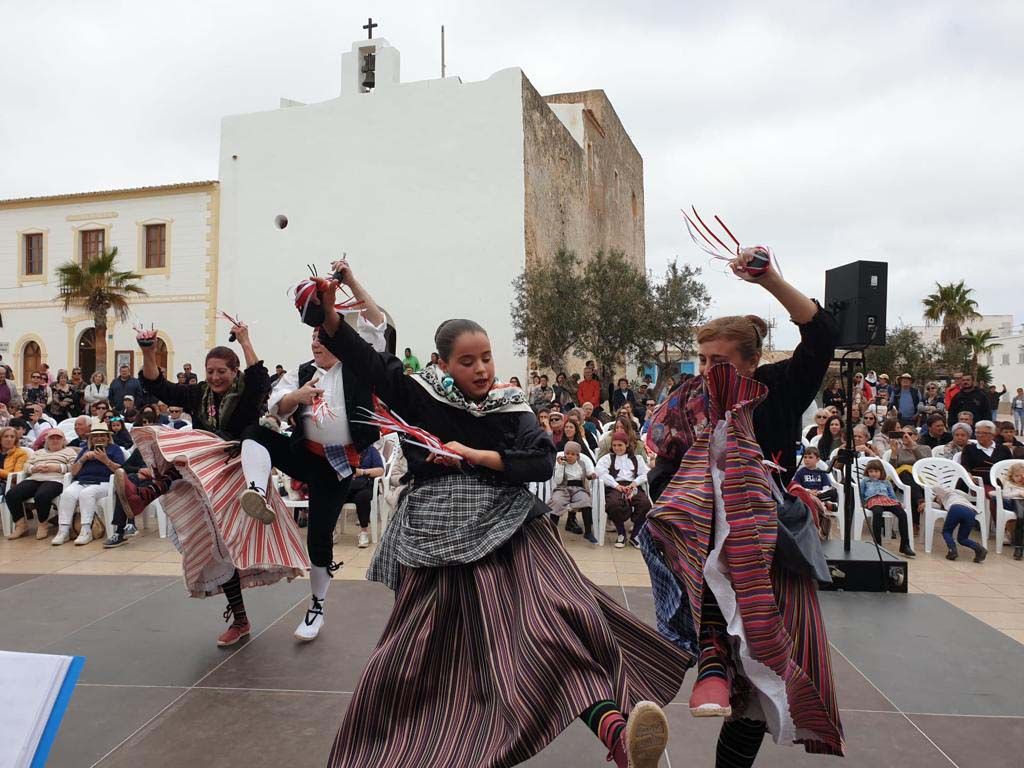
x,y
878,496
622,472
960,513
1013,498
570,491
813,479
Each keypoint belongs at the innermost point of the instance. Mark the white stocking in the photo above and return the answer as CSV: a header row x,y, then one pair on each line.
x,y
319,581
256,465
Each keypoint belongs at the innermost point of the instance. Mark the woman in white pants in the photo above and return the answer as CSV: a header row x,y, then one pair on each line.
x,y
92,469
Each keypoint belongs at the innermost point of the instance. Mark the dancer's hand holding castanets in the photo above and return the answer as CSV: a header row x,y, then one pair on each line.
x,y
145,338
240,332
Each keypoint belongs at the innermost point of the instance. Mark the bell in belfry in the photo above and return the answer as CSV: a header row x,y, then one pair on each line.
x,y
369,64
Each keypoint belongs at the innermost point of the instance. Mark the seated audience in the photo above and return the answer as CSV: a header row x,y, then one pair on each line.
x,y
1013,499
91,470
904,453
813,479
43,483
360,490
623,472
962,434
571,491
877,496
936,433
961,514
12,457
37,390
62,398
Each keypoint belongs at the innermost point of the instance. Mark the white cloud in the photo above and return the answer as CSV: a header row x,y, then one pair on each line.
x,y
833,130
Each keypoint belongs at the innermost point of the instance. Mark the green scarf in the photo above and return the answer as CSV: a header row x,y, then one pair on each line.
x,y
215,414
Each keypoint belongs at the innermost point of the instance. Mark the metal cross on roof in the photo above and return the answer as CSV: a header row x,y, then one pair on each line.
x,y
369,26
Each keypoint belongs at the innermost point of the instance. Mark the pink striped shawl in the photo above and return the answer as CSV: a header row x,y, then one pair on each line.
x,y
212,532
781,618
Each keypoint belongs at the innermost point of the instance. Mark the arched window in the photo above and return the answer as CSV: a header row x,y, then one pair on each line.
x,y
87,352
31,361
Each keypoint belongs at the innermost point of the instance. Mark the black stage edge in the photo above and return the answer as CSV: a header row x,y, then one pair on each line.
x,y
864,568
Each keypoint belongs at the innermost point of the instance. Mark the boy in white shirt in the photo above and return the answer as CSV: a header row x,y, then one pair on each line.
x,y
570,490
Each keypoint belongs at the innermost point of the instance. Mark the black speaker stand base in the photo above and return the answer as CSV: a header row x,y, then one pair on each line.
x,y
859,570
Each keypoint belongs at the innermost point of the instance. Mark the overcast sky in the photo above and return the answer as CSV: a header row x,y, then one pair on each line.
x,y
833,131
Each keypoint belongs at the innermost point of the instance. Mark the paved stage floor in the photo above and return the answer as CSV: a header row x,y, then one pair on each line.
x,y
921,682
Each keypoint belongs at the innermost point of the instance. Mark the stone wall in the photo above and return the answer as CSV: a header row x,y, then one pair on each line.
x,y
584,188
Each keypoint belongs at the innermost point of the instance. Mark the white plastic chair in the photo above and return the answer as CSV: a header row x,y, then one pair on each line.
x,y
933,472
840,513
6,523
860,516
996,477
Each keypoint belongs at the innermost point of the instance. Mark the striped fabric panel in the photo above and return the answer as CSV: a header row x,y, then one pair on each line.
x,y
682,527
483,665
215,536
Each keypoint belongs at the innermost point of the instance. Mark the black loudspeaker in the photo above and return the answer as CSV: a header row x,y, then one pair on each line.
x,y
855,294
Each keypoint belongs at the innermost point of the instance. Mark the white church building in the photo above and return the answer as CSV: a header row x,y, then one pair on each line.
x,y
438,191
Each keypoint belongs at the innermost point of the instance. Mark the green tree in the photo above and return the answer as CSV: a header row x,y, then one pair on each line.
x,y
978,343
952,306
547,311
904,352
98,287
679,303
617,305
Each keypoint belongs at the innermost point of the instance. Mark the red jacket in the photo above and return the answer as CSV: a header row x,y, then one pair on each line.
x,y
590,392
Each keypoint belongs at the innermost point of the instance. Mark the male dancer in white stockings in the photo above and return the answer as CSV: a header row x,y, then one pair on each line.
x,y
323,450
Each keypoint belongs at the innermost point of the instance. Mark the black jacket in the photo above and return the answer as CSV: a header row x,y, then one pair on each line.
x,y
792,385
190,398
975,401
526,450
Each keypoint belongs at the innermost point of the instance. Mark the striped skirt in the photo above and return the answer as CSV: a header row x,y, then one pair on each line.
x,y
483,665
213,534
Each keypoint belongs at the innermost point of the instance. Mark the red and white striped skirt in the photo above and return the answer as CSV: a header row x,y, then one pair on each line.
x,y
213,534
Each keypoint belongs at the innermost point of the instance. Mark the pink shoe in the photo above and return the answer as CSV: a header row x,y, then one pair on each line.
x,y
710,698
234,633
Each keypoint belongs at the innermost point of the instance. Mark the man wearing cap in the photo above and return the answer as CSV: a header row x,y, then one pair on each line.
x,y
129,410
906,400
91,469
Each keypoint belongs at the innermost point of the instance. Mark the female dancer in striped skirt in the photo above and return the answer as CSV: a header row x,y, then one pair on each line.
x,y
199,475
496,642
710,542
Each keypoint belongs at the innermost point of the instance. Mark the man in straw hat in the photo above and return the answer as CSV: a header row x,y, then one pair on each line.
x,y
91,469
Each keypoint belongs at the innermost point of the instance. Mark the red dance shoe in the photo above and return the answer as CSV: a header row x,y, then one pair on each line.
x,y
710,698
234,633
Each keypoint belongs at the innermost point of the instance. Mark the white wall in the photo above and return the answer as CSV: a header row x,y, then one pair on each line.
x,y
178,299
1012,373
420,183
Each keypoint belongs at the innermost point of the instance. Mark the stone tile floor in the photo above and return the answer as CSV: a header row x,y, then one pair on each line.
x,y
157,692
992,591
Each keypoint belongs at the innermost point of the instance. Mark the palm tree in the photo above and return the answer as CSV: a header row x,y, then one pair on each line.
x,y
952,306
979,343
98,287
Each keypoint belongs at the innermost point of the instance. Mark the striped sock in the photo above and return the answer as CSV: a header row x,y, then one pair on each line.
x,y
233,592
606,721
713,634
738,743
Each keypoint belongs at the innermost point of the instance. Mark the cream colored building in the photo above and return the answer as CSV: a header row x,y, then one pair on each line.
x,y
167,234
